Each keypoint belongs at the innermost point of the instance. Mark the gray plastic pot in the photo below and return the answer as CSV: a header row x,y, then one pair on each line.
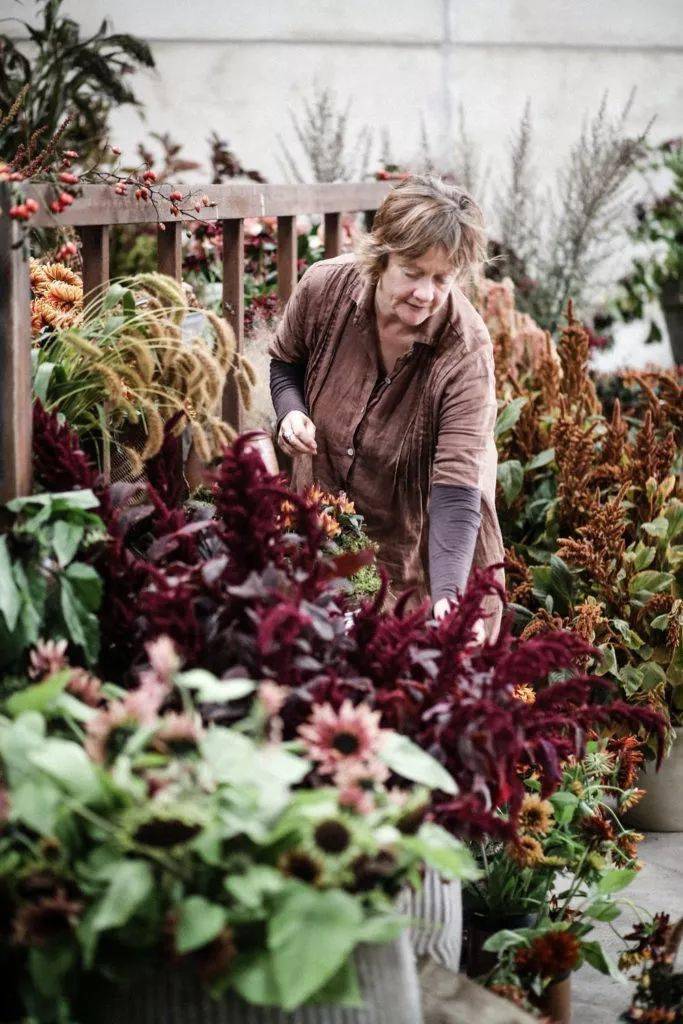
x,y
661,809
387,976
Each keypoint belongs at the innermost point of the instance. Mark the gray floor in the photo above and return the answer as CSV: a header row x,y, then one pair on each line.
x,y
659,886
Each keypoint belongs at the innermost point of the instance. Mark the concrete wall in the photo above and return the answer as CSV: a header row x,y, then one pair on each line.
x,y
240,67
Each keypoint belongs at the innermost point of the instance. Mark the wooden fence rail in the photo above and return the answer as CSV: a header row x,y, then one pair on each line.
x,y
93,213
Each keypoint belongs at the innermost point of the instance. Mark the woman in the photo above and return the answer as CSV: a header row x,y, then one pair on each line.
x,y
382,381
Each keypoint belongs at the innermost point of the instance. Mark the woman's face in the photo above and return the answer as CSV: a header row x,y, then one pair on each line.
x,y
415,289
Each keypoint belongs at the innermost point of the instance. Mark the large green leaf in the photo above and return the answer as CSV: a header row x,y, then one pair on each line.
x,y
651,581
443,852
614,880
542,459
130,883
68,764
595,956
66,537
10,598
212,690
310,937
199,922
39,696
86,584
508,416
510,476
411,762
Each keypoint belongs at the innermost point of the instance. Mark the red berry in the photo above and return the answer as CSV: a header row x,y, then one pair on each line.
x,y
176,196
56,206
66,199
32,205
71,153
68,178
149,176
116,150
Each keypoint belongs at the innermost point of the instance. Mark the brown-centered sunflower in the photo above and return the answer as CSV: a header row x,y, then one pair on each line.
x,y
555,953
535,815
526,851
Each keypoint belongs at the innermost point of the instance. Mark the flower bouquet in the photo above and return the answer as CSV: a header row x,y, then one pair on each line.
x,y
135,838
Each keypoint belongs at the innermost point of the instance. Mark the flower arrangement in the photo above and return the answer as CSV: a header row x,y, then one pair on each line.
x,y
594,519
133,831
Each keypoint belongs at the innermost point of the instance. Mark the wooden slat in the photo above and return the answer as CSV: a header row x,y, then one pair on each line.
x,y
169,250
95,255
332,235
98,205
286,257
15,359
233,309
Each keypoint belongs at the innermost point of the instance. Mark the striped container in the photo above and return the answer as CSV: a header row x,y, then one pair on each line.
x,y
388,983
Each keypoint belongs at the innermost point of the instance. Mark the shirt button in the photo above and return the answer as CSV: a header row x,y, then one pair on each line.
x,y
349,451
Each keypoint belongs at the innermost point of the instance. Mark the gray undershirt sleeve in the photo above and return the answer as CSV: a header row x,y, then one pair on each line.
x,y
454,519
287,388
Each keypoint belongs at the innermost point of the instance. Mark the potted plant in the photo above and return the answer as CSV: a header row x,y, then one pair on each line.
x,y
651,957
144,850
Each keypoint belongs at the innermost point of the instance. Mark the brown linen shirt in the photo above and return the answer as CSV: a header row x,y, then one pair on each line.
x,y
386,439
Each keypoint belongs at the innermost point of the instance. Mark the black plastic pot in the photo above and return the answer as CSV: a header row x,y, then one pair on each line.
x,y
480,927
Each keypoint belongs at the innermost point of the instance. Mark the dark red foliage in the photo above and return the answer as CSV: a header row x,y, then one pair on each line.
x,y
243,592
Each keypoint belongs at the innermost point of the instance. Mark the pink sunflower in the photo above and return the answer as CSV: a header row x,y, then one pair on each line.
x,y
341,738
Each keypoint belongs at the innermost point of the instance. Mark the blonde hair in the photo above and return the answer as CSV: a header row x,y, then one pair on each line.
x,y
420,212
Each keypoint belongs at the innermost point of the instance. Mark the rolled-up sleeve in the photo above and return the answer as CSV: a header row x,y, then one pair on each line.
x,y
467,416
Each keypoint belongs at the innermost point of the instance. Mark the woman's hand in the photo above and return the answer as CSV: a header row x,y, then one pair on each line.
x,y
297,434
442,608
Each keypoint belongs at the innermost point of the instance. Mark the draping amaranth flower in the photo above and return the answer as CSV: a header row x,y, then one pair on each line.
x,y
525,851
350,736
535,815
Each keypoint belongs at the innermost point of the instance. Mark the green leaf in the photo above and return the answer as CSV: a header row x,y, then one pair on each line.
x,y
597,958
411,762
561,580
613,880
254,885
310,936
36,802
644,556
564,806
10,598
443,852
253,977
631,638
650,580
658,528
603,910
68,764
608,662
510,476
199,922
66,537
542,459
130,883
660,622
212,690
87,585
508,416
56,501
504,939
41,380
39,696
82,625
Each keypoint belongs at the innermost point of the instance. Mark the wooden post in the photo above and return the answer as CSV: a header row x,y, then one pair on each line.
x,y
286,257
233,309
15,359
332,235
95,255
169,250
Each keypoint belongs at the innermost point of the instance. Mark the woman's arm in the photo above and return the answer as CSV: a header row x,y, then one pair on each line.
x,y
454,520
289,356
467,416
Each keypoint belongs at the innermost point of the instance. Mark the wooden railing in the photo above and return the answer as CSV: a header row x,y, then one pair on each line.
x,y
93,213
